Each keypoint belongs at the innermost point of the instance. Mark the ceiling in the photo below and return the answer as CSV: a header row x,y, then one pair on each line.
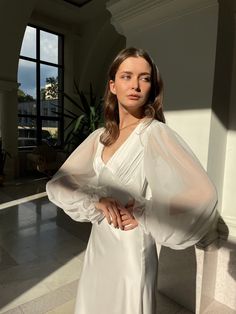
x,y
81,11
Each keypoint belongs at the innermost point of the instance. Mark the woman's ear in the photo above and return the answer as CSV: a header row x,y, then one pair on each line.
x,y
112,87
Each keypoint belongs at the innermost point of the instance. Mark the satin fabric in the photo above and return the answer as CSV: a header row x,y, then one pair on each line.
x,y
174,205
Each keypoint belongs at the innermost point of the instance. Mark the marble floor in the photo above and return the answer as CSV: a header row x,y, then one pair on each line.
x,y
41,254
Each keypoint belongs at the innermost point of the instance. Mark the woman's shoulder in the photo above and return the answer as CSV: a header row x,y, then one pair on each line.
x,y
157,131
97,132
154,126
92,138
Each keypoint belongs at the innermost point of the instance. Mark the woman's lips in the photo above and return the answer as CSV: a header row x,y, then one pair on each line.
x,y
133,97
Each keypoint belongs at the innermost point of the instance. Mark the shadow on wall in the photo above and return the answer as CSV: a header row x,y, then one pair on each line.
x,y
225,59
177,276
177,269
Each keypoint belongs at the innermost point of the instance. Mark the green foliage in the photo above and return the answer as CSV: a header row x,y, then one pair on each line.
x,y
89,119
51,89
22,97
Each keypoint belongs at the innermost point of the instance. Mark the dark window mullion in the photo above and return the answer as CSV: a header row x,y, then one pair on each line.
x,y
27,58
51,64
27,115
61,86
42,62
38,105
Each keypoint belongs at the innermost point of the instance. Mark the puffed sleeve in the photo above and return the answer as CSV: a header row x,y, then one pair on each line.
x,y
182,206
74,188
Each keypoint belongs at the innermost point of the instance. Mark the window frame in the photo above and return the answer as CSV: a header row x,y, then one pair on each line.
x,y
60,66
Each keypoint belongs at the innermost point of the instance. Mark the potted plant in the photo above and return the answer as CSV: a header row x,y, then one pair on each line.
x,y
82,124
3,156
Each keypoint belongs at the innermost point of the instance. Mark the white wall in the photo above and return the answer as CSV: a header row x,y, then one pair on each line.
x,y
184,50
181,38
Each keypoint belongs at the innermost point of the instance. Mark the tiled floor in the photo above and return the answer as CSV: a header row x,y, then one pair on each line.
x,y
40,262
41,255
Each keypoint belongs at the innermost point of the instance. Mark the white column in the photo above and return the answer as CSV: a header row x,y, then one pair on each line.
x,y
8,125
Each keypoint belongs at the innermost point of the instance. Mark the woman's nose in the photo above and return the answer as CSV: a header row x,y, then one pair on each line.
x,y
135,85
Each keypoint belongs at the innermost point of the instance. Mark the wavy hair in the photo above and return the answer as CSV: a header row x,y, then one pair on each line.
x,y
152,109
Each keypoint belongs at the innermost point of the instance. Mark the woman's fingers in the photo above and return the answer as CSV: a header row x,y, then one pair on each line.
x,y
121,217
107,215
129,227
118,218
125,217
113,215
126,212
129,223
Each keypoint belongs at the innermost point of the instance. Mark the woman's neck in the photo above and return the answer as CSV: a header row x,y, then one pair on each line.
x,y
127,119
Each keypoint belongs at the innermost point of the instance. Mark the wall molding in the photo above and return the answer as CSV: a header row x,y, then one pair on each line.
x,y
129,9
143,14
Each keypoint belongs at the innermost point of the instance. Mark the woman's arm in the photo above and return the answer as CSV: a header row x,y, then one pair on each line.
x,y
74,187
183,199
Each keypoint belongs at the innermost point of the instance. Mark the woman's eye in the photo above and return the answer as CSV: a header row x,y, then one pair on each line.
x,y
145,78
126,77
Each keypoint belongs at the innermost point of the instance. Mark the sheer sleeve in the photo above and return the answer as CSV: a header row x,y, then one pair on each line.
x,y
74,187
183,199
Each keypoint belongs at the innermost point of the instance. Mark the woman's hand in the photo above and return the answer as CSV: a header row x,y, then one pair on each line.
x,y
111,209
128,220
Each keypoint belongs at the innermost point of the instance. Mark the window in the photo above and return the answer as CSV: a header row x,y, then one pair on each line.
x,y
40,77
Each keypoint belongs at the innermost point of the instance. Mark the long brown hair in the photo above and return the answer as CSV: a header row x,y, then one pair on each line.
x,y
153,108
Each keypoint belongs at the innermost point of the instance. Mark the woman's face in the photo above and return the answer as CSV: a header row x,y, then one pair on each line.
x,y
132,83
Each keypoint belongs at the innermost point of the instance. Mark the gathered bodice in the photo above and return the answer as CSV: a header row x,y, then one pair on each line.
x,y
124,171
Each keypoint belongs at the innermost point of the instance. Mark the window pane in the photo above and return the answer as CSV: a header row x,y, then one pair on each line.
x,y
48,47
50,131
49,89
27,87
26,132
38,97
28,48
49,108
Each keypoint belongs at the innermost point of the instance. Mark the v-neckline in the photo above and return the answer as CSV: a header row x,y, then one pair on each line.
x,y
119,148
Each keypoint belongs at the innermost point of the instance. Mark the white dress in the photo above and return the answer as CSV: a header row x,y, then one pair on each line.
x,y
175,205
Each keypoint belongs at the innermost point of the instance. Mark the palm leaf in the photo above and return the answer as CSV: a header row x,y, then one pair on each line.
x,y
78,122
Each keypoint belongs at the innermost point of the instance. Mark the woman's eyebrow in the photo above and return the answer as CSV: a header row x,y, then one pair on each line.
x,y
126,72
145,73
129,72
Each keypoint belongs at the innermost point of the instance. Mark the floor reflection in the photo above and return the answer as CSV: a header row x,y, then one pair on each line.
x,y
37,256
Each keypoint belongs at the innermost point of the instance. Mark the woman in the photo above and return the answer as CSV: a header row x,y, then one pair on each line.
x,y
139,184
